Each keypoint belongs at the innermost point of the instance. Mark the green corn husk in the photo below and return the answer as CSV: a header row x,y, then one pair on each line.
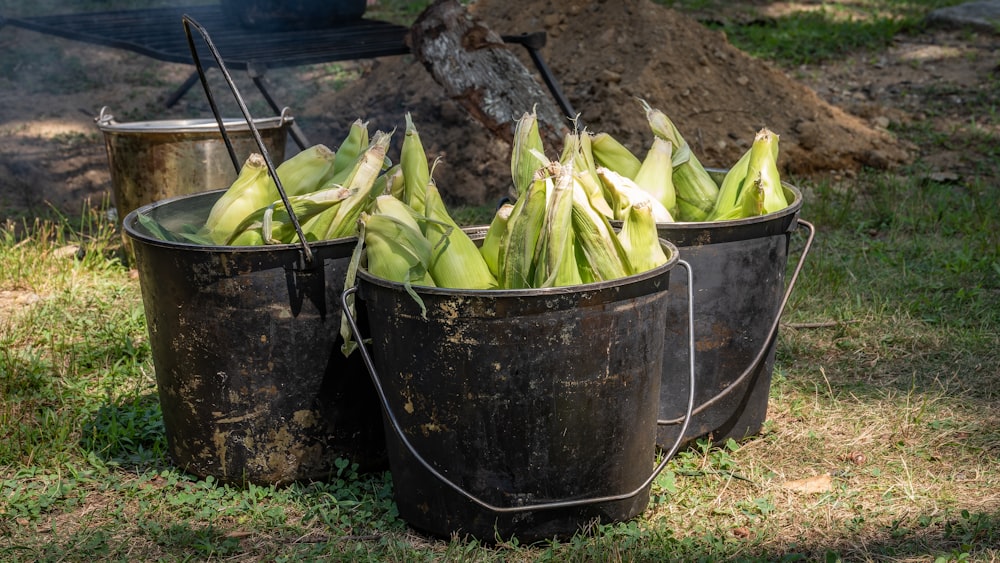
x,y
607,201
598,245
355,143
362,181
305,172
516,258
455,260
640,240
397,250
693,184
253,189
762,191
416,171
655,176
526,147
752,186
273,225
555,260
394,182
727,204
490,249
578,152
611,154
627,193
696,191
364,185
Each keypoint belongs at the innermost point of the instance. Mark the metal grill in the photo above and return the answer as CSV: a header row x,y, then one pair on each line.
x,y
158,33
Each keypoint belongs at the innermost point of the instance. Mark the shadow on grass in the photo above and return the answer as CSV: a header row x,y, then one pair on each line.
x,y
128,433
950,535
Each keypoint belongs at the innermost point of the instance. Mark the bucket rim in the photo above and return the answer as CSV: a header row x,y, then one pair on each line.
x,y
793,208
108,124
672,260
130,222
105,121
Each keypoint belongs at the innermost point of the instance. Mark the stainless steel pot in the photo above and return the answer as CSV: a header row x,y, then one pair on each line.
x,y
155,160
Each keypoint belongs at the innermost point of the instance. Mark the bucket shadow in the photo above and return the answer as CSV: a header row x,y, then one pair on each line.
x,y
129,432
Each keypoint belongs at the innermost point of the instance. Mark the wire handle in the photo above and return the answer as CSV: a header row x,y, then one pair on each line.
x,y
762,353
190,22
397,428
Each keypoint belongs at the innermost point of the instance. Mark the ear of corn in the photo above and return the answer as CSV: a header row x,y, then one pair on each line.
x,y
526,147
639,239
584,161
273,225
726,204
555,258
490,248
251,236
611,154
397,250
306,207
577,154
305,171
455,259
764,193
696,190
517,248
616,197
394,182
416,172
253,189
627,193
355,143
364,186
598,243
360,179
692,183
655,176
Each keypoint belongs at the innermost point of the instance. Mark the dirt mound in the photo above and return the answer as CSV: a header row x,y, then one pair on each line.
x,y
605,55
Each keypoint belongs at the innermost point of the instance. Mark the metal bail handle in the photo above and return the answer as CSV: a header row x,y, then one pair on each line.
x,y
772,334
188,23
397,428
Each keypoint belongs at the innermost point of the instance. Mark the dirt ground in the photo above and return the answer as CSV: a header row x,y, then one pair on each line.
x,y
833,119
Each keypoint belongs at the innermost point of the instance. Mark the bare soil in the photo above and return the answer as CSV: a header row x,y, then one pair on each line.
x,y
833,119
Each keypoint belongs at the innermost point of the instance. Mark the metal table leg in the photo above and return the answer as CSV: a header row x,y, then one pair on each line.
x,y
256,74
533,42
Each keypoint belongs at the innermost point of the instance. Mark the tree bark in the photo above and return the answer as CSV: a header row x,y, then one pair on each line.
x,y
478,70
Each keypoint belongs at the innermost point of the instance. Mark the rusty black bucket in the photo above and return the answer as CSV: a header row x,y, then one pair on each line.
x,y
739,294
519,413
246,348
246,341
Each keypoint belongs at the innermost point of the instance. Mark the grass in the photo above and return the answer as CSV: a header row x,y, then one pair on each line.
x,y
885,384
825,31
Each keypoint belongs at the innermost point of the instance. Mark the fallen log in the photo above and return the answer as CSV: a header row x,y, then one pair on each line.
x,y
478,70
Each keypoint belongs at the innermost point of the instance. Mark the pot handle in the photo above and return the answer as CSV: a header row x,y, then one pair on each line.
x,y
540,506
190,22
772,334
104,118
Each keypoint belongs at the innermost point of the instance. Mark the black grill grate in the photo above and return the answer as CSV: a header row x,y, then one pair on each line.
x,y
159,34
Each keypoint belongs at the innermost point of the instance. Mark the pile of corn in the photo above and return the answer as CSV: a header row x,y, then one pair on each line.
x,y
589,215
669,174
555,235
552,236
327,192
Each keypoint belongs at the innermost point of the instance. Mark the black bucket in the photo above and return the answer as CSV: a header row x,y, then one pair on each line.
x,y
739,293
246,347
520,413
